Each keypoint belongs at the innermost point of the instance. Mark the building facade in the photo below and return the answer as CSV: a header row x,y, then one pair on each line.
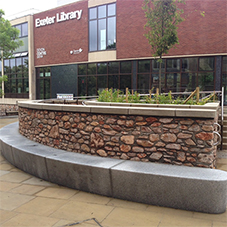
x,y
89,45
20,68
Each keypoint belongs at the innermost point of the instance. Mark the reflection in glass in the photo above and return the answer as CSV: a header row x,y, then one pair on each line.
x,y
91,69
101,83
173,82
113,81
111,9
143,83
19,86
24,29
126,67
82,86
206,64
155,65
224,65
92,13
143,66
189,64
102,11
111,36
91,85
113,67
188,82
102,34
82,69
47,89
125,82
102,68
206,81
155,82
173,65
93,35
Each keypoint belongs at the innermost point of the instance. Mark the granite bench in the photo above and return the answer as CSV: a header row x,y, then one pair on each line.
x,y
181,187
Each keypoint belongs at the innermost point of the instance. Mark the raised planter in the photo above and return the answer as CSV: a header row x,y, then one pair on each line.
x,y
174,134
182,187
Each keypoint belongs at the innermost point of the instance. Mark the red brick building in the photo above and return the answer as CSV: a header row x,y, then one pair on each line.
x,y
89,45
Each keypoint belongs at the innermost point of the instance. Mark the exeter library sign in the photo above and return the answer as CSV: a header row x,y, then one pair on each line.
x,y
60,17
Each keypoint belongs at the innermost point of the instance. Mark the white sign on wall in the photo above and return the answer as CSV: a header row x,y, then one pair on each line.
x,y
60,17
76,51
41,52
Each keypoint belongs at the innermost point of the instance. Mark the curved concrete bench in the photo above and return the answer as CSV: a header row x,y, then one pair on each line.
x,y
189,188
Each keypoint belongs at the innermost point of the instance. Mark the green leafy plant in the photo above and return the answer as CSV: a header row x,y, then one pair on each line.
x,y
108,95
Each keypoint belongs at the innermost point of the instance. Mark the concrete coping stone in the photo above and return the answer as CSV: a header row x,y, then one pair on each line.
x,y
206,111
181,187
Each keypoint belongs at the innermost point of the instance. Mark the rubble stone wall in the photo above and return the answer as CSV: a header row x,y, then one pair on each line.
x,y
180,141
5,108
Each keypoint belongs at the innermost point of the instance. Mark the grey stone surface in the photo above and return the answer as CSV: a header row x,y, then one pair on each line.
x,y
110,110
82,172
170,112
189,188
204,113
76,108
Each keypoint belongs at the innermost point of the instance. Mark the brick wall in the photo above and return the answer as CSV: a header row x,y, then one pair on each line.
x,y
197,34
59,39
179,141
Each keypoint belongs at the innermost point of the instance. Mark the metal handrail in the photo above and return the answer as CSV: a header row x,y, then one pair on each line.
x,y
219,140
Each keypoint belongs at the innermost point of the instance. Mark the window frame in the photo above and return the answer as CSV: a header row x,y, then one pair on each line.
x,y
97,20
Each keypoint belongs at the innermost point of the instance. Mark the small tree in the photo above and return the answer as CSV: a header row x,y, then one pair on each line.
x,y
162,16
9,41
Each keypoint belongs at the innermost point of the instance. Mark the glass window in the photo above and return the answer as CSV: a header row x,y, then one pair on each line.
x,y
82,69
113,81
92,13
82,86
91,85
173,82
173,65
93,35
111,36
144,66
102,27
6,66
224,65
155,82
206,64
111,9
26,87
19,28
188,82
206,81
101,82
25,64
102,68
125,82
24,29
126,67
13,65
155,65
19,86
102,34
113,67
143,83
102,11
91,69
189,64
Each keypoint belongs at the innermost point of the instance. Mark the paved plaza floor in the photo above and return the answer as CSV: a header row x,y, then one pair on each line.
x,y
29,201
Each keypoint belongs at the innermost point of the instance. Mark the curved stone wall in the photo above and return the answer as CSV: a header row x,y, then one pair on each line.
x,y
140,137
